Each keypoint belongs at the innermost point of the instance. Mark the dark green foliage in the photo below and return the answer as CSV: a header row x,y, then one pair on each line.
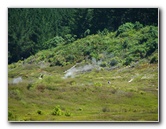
x,y
103,64
114,61
80,109
128,60
154,58
69,38
39,112
53,42
33,29
29,86
138,25
110,50
125,27
10,115
67,113
106,109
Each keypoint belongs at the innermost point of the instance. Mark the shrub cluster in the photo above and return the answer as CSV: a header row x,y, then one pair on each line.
x,y
130,43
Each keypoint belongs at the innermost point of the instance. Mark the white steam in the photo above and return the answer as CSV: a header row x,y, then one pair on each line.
x,y
74,70
80,69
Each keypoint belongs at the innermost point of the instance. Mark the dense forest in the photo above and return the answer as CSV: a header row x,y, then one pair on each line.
x,y
30,29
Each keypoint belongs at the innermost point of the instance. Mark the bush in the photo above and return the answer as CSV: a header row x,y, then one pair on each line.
x,y
68,114
87,32
125,27
128,60
39,112
103,64
80,109
106,109
138,25
41,88
114,61
98,84
154,58
53,42
69,38
57,111
151,46
16,94
10,115
29,86
70,58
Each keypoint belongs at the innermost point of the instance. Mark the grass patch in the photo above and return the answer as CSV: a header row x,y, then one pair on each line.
x,y
88,97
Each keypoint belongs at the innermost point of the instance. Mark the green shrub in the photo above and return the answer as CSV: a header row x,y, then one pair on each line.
x,y
151,46
103,64
114,61
128,60
98,84
154,59
30,86
125,27
50,88
53,42
12,66
10,115
57,111
40,87
16,94
67,113
39,112
70,58
105,109
80,109
69,38
142,92
138,25
87,32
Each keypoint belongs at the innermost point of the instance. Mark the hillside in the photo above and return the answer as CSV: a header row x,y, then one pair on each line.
x,y
109,76
130,43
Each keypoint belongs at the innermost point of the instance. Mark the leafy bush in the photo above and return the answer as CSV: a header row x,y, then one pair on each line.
x,y
104,32
69,38
53,42
114,61
106,109
154,58
128,60
11,116
70,58
39,112
103,64
80,109
67,113
138,25
57,111
29,86
125,27
151,46
98,84
41,88
87,32
16,94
